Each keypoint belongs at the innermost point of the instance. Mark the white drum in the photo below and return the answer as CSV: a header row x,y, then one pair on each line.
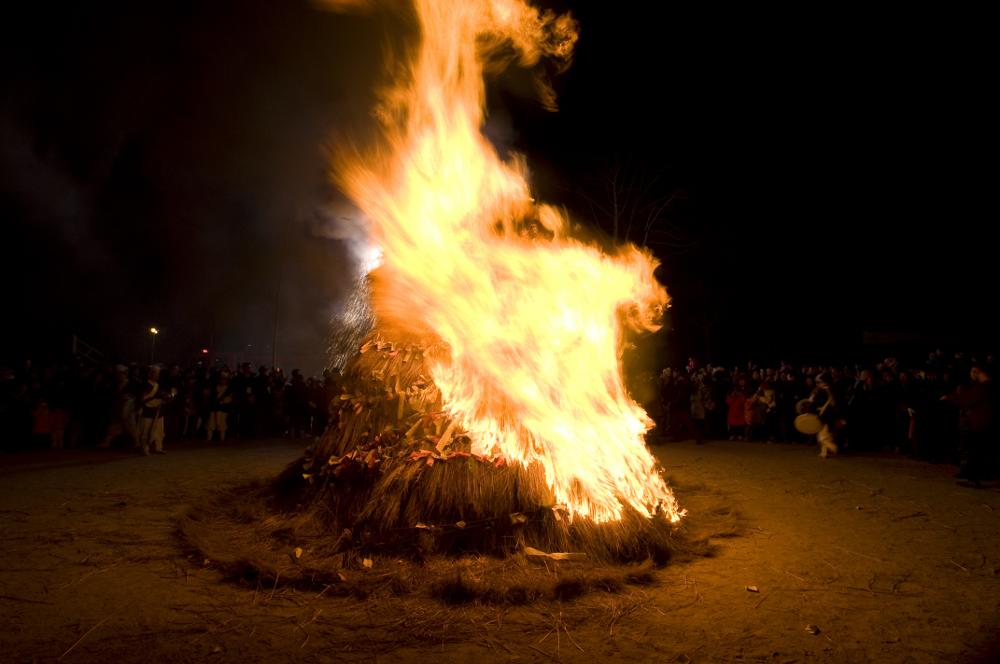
x,y
808,424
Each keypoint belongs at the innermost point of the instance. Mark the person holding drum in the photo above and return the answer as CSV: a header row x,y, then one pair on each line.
x,y
819,416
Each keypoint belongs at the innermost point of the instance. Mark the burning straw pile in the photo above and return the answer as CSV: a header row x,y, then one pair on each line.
x,y
395,472
484,409
394,479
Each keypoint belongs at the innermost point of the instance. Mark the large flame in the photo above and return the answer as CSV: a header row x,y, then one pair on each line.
x,y
533,317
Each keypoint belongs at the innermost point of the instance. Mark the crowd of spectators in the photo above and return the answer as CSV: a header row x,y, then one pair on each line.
x,y
916,409
913,408
81,405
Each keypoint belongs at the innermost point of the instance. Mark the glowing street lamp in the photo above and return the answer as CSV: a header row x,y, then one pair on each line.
x,y
152,343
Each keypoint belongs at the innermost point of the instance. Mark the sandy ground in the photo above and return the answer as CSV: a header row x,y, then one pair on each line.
x,y
886,559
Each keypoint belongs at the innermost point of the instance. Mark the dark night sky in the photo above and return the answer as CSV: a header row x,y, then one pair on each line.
x,y
165,164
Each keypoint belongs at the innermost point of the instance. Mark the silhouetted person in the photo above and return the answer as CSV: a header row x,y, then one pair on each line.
x,y
826,408
297,404
975,425
152,401
682,427
221,400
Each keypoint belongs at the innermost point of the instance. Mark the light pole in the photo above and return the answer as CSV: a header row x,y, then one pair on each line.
x,y
152,343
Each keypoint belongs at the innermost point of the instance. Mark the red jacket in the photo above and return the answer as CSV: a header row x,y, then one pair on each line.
x,y
736,402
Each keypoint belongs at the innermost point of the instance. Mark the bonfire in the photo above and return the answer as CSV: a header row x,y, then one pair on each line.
x,y
484,408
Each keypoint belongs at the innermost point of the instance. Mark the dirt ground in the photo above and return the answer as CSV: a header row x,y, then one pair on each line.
x,y
849,560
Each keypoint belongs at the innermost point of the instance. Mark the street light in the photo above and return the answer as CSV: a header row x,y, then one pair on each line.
x,y
152,343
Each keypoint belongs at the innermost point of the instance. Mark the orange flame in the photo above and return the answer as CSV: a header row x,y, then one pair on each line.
x,y
533,317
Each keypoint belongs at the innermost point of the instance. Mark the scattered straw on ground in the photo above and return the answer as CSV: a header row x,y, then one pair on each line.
x,y
241,533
